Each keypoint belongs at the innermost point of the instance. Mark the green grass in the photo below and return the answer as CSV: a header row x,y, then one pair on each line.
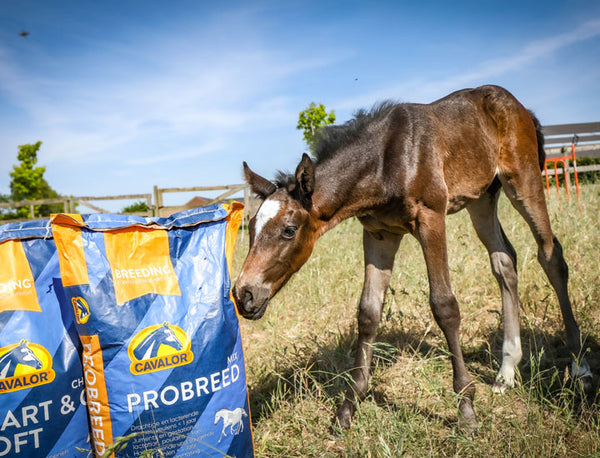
x,y
299,354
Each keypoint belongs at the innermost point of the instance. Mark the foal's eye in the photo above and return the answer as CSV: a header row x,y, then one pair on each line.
x,y
289,232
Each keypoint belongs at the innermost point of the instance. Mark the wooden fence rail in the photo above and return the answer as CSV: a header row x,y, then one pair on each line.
x,y
585,135
230,190
156,208
85,200
33,203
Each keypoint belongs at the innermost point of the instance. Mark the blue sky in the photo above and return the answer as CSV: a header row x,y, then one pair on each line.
x,y
125,95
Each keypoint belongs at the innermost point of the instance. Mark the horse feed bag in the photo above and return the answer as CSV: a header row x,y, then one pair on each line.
x,y
42,413
162,354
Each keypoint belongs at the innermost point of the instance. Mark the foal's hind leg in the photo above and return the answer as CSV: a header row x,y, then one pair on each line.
x,y
380,250
524,189
503,258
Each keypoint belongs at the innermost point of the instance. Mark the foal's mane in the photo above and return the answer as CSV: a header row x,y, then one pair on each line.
x,y
330,139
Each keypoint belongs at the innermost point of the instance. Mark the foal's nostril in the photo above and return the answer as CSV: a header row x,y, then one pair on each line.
x,y
247,299
251,301
244,298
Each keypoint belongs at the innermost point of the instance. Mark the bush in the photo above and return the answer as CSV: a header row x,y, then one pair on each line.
x,y
137,207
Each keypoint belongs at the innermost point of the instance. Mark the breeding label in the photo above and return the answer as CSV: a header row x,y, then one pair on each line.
x,y
140,263
17,290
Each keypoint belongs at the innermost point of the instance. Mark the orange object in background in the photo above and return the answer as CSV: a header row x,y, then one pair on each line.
x,y
563,160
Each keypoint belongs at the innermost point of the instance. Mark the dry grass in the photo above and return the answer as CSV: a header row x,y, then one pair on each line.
x,y
298,355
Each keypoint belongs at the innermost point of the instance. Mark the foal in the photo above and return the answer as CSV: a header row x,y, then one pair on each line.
x,y
400,169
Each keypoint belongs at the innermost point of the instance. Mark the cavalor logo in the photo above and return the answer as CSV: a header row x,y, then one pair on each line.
x,y
81,309
159,347
24,365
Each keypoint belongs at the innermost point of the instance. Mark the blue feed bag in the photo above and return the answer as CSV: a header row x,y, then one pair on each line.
x,y
162,353
42,413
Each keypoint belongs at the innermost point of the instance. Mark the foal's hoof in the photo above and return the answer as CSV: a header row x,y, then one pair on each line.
x,y
467,420
504,381
499,387
582,376
343,417
585,384
468,425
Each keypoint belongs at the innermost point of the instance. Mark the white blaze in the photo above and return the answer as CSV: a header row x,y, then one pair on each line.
x,y
266,212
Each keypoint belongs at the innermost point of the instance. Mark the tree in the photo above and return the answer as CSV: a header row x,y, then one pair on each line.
x,y
28,183
26,178
137,207
312,119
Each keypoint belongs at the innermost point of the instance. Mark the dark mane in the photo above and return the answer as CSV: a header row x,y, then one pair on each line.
x,y
283,179
331,138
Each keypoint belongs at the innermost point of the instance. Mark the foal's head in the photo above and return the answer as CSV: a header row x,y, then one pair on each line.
x,y
282,235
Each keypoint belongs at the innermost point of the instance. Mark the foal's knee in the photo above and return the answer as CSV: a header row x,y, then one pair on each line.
x,y
369,315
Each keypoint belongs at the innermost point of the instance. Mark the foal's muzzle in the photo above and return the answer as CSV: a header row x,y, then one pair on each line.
x,y
251,301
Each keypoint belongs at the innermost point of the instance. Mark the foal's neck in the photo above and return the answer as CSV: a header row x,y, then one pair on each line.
x,y
346,186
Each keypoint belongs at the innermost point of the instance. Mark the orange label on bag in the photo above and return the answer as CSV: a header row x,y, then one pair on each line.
x,y
97,397
67,235
17,288
140,263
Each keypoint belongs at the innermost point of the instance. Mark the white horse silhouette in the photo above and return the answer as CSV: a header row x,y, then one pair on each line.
x,y
232,418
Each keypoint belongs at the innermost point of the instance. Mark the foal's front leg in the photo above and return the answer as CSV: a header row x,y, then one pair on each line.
x,y
379,249
431,233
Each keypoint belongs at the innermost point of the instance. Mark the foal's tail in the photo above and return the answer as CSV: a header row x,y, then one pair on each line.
x,y
540,139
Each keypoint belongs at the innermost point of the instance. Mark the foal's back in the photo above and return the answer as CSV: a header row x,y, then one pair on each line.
x,y
452,149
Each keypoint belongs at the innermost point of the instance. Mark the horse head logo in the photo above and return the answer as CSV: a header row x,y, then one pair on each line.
x,y
19,354
162,335
81,308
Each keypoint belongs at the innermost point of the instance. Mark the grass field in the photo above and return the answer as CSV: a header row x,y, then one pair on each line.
x,y
298,356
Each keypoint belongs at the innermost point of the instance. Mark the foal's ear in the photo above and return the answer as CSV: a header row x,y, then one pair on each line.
x,y
260,186
305,179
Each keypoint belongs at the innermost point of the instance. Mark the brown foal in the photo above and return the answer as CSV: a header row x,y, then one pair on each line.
x,y
400,169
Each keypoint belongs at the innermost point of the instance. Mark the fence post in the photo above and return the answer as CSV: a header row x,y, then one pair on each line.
x,y
157,204
149,205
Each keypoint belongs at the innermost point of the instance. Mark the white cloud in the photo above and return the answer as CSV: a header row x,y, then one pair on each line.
x,y
533,51
169,156
94,120
426,91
